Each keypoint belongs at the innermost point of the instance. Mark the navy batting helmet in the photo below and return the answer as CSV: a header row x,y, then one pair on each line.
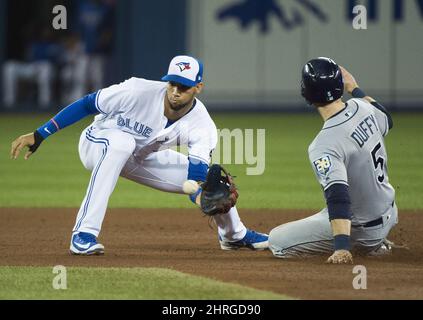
x,y
321,81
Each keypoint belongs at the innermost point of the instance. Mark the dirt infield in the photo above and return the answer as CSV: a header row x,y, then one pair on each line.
x,y
182,240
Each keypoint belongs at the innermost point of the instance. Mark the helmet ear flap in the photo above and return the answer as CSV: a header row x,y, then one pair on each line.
x,y
304,92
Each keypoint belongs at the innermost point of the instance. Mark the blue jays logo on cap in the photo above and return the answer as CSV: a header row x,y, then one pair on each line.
x,y
185,70
183,66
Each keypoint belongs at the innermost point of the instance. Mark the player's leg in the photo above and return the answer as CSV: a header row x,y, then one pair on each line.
x,y
372,240
313,235
105,152
166,171
303,238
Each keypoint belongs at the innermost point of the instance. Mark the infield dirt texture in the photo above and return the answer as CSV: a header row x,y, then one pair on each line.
x,y
181,240
143,227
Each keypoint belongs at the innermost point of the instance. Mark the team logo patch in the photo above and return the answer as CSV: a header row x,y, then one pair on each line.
x,y
322,165
183,66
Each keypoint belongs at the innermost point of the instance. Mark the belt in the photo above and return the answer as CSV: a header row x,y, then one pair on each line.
x,y
372,223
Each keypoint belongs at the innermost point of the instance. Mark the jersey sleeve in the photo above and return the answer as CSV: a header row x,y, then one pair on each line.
x,y
114,97
202,142
328,166
381,118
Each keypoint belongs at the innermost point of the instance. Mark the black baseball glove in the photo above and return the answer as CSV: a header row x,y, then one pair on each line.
x,y
219,192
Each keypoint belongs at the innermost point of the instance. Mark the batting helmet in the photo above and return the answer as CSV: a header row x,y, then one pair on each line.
x,y
321,81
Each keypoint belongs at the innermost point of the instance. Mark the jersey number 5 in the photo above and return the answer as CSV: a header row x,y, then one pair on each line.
x,y
378,161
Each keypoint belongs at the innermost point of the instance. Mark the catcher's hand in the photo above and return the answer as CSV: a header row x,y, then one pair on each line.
x,y
219,193
341,257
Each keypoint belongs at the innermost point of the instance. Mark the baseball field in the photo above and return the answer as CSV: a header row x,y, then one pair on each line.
x,y
159,247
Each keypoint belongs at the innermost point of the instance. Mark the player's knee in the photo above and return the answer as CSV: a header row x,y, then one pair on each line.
x,y
122,142
280,243
275,239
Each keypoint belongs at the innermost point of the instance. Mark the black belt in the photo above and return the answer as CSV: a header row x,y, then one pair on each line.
x,y
372,223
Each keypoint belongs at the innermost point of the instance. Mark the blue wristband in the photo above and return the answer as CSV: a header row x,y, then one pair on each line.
x,y
193,196
342,242
358,93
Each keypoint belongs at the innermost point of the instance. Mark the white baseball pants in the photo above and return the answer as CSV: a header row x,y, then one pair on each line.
x,y
108,154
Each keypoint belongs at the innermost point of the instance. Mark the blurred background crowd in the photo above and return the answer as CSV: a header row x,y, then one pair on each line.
x,y
252,50
47,66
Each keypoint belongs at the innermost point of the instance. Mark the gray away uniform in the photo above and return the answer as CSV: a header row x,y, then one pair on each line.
x,y
350,150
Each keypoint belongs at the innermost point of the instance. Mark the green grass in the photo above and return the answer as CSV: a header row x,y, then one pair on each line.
x,y
54,176
120,283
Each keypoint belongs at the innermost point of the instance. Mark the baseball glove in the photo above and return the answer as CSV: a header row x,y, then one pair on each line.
x,y
219,192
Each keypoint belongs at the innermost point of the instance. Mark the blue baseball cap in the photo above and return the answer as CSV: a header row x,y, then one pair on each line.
x,y
185,70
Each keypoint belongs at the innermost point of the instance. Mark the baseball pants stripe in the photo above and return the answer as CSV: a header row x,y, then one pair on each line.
x,y
92,182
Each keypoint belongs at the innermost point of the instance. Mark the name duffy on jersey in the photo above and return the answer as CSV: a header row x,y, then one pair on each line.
x,y
365,130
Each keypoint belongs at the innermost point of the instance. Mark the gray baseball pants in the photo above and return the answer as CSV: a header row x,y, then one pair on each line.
x,y
313,235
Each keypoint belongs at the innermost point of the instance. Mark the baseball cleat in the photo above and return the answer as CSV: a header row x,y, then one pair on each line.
x,y
386,248
253,240
383,250
84,243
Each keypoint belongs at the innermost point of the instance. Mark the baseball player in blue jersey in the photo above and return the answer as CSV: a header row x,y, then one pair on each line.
x,y
136,124
349,159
